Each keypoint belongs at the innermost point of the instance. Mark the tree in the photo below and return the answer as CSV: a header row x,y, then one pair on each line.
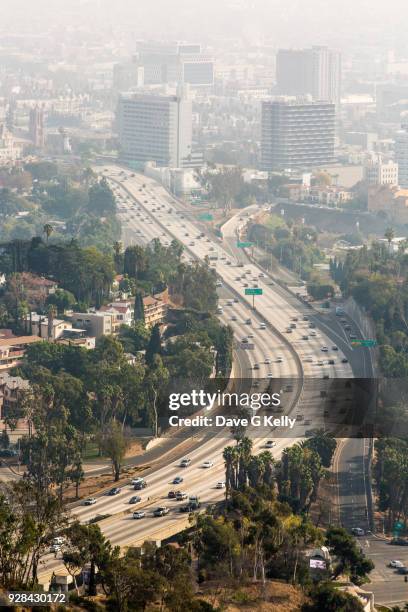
x,y
87,544
330,599
389,234
48,229
114,445
62,300
139,314
154,347
324,444
350,560
101,199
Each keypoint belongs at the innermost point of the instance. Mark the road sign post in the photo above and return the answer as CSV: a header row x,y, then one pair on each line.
x,y
206,217
369,343
253,291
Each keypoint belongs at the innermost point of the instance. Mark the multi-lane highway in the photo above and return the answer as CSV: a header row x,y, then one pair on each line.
x,y
306,352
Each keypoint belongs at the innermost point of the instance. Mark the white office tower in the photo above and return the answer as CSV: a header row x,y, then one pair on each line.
x,y
378,172
401,156
155,128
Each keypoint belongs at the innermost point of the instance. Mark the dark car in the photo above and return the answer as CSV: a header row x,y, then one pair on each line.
x,y
171,494
190,507
344,360
399,542
402,570
135,499
140,485
114,491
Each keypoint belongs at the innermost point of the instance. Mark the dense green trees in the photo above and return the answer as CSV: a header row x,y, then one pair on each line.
x,y
326,597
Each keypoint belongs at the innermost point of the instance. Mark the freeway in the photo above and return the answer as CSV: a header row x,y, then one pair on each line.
x,y
148,211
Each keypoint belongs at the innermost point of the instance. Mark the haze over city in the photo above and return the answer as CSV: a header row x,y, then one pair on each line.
x,y
204,305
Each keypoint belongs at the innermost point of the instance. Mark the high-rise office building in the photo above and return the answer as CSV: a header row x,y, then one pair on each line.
x,y
36,127
315,72
401,156
155,128
297,133
174,63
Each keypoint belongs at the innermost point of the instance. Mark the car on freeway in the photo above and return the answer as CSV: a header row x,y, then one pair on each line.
x,y
270,444
292,326
139,514
244,340
309,359
269,375
312,326
353,337
190,507
185,463
135,499
54,548
208,464
324,349
305,318
402,570
178,480
114,491
262,326
171,495
161,511
331,361
218,284
279,359
220,484
399,542
288,330
396,563
335,348
268,360
89,501
344,360
236,300
305,337
136,480
140,485
234,318
256,366
313,334
180,495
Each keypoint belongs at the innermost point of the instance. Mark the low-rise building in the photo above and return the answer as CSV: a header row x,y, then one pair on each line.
x,y
11,390
155,310
12,350
96,324
389,200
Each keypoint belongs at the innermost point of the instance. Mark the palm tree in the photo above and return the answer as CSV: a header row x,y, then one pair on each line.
x,y
47,230
389,234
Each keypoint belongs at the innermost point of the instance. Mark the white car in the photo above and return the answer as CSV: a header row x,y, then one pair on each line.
x,y
269,375
324,349
90,501
268,360
396,563
208,464
313,334
139,514
220,485
270,444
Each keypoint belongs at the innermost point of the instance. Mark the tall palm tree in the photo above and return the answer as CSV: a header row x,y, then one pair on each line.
x,y
47,230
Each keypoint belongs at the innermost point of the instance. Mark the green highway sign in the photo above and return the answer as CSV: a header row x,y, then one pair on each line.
x,y
244,245
365,343
206,217
254,291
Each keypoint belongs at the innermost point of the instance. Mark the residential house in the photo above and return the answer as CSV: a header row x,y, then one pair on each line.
x,y
12,349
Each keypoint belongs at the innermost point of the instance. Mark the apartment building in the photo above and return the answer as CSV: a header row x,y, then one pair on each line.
x,y
155,310
12,349
297,133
